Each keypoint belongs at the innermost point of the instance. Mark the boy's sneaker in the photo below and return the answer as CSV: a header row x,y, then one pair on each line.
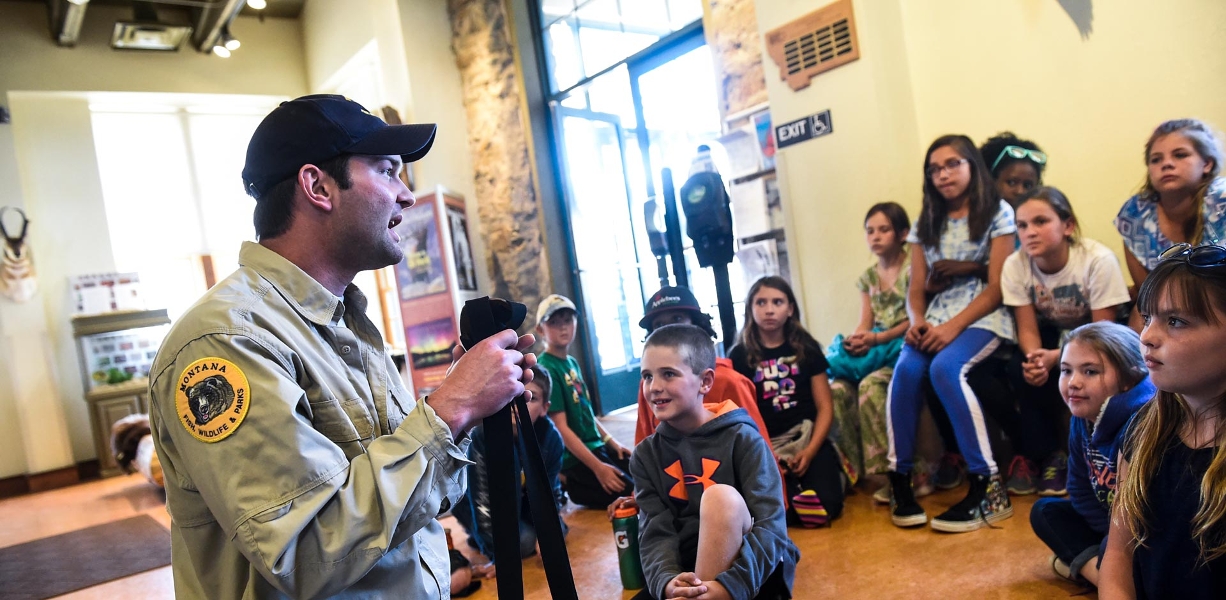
x,y
1021,476
950,471
904,510
985,503
1054,481
810,510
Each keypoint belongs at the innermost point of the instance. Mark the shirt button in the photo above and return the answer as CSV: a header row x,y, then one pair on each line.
x,y
345,349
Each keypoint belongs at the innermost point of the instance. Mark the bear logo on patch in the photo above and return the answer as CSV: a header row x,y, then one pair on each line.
x,y
212,399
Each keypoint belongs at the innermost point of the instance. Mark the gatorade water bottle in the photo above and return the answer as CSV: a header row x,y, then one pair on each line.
x,y
626,535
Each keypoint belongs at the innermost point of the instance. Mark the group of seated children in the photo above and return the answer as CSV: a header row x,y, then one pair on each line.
x,y
990,305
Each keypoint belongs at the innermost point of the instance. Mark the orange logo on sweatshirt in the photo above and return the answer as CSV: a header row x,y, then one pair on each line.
x,y
675,471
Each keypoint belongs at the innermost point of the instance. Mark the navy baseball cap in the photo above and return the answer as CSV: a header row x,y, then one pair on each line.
x,y
313,129
670,298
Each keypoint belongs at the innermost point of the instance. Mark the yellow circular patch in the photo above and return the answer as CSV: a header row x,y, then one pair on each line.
x,y
212,398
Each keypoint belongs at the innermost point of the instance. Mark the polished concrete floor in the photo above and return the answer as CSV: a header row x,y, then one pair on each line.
x,y
861,556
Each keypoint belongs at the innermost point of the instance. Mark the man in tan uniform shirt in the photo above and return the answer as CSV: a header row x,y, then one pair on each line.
x,y
296,464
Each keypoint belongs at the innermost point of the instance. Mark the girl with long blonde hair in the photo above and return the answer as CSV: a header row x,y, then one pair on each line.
x,y
1168,531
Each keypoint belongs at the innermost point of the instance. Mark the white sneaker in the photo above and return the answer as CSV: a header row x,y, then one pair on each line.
x,y
921,485
882,495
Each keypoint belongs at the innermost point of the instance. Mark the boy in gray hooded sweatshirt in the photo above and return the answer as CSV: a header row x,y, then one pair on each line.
x,y
706,484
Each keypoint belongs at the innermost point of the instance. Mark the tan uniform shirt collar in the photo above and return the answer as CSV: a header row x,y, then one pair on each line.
x,y
309,297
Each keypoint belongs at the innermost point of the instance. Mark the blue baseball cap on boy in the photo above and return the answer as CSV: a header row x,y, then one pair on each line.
x,y
313,129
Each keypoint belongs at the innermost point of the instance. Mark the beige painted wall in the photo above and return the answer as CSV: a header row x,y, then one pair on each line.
x,y
827,183
47,166
435,96
978,68
69,237
417,69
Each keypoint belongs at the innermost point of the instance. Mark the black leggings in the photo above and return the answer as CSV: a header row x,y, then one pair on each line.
x,y
584,487
825,477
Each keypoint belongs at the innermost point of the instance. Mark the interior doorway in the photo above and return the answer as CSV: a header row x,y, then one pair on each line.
x,y
616,131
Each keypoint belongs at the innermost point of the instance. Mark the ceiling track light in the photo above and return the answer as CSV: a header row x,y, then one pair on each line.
x,y
257,4
221,51
229,41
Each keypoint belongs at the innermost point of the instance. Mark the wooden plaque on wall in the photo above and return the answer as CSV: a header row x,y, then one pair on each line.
x,y
813,44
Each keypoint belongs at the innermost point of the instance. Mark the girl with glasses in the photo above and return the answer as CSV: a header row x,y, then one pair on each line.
x,y
962,219
1056,282
1168,531
1016,165
1182,200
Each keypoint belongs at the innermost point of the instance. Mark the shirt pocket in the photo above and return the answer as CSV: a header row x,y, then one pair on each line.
x,y
342,421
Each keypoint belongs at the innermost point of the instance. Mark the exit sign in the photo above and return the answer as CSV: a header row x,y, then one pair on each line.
x,y
802,130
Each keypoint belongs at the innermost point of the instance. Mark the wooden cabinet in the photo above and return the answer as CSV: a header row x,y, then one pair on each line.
x,y
108,404
116,350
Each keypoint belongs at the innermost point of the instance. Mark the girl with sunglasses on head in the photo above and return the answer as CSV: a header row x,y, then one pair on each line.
x,y
961,219
1182,200
1056,282
1016,165
1168,531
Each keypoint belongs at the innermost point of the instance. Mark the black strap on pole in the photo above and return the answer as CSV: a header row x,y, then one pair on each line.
x,y
544,510
723,295
672,227
481,318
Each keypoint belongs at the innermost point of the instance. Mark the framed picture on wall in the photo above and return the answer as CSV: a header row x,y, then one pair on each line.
x,y
465,269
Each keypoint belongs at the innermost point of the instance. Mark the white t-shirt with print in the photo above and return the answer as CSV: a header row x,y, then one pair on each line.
x,y
1091,280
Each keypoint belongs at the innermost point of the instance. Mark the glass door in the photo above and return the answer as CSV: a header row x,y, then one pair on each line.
x,y
605,253
616,130
675,93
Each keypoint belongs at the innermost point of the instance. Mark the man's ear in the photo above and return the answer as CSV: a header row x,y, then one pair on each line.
x,y
708,381
317,187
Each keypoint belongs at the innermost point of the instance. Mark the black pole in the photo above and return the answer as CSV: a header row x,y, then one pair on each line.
x,y
672,229
723,294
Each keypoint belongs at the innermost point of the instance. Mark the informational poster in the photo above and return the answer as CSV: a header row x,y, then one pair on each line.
x,y
766,139
421,271
430,343
437,275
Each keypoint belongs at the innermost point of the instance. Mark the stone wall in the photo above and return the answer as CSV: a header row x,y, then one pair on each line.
x,y
497,138
732,33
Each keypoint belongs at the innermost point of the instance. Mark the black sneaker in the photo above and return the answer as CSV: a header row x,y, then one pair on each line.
x,y
985,503
904,510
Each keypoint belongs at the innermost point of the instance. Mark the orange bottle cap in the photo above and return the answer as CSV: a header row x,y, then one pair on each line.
x,y
625,511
